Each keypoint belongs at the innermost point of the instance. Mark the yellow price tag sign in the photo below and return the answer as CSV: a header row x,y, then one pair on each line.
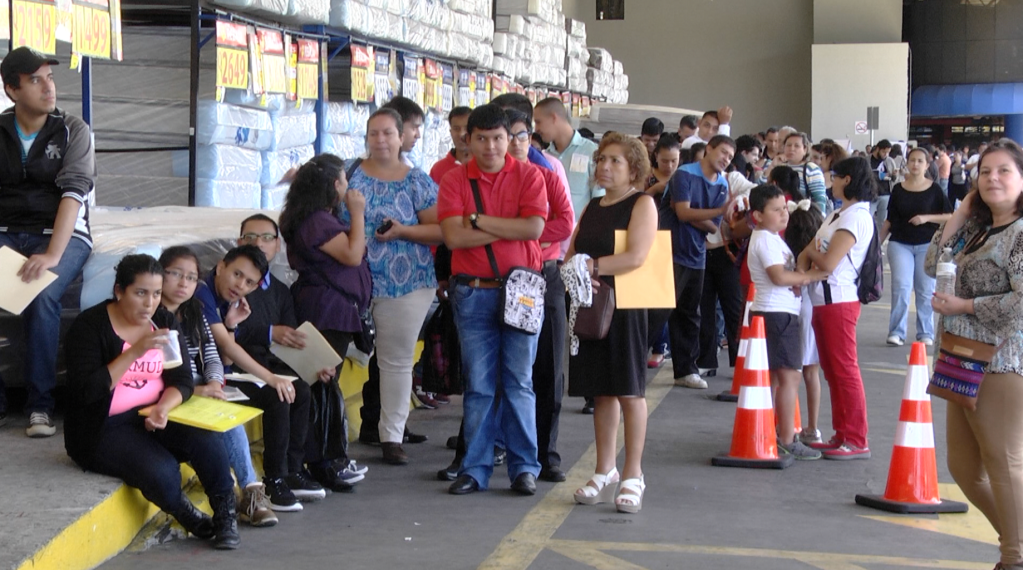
x,y
275,75
91,35
308,81
35,25
232,68
360,85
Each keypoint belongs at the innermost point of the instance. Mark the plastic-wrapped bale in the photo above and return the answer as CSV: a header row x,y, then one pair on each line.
x,y
272,197
276,8
307,12
227,194
221,123
277,163
345,118
352,15
417,33
619,67
291,131
513,24
220,162
485,55
576,29
621,82
461,47
397,7
504,43
343,146
601,59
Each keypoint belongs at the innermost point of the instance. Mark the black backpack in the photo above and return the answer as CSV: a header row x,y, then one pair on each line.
x,y
870,277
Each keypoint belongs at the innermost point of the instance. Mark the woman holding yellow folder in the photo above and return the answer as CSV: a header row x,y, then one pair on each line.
x,y
115,367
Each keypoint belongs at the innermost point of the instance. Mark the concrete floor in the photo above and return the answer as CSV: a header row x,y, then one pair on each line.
x,y
695,515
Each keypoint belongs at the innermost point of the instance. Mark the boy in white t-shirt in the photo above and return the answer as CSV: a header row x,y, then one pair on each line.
x,y
772,270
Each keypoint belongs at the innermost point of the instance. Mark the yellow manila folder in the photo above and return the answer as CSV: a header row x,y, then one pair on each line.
x,y
16,293
652,285
209,414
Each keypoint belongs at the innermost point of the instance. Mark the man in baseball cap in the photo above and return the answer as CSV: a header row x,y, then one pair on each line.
x,y
47,171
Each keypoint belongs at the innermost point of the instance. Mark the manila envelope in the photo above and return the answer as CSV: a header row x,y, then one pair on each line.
x,y
652,285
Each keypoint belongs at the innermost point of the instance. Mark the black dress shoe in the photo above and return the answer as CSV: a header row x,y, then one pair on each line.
x,y
450,473
588,407
464,485
500,457
369,437
413,437
453,442
554,474
524,484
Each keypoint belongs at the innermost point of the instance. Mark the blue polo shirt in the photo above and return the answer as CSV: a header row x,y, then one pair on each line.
x,y
213,307
688,184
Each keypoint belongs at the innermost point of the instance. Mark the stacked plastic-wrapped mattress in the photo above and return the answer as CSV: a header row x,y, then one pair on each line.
x,y
530,41
458,29
289,11
294,132
344,129
577,57
600,73
620,85
229,161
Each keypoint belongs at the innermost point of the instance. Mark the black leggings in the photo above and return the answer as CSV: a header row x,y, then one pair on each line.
x,y
284,426
149,461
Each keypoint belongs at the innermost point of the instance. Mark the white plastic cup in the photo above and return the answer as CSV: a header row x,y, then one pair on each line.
x,y
171,351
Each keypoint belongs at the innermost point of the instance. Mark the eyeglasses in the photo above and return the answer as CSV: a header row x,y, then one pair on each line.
x,y
191,277
265,238
521,136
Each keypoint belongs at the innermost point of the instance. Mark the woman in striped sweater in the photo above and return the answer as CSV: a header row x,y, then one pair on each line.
x,y
796,155
181,275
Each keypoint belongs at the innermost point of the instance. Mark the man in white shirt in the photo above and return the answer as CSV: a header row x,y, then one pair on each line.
x,y
712,123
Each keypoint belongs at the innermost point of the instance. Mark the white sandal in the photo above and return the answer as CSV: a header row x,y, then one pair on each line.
x,y
632,501
599,489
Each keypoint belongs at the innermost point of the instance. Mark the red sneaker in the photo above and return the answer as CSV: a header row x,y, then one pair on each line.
x,y
847,452
655,361
833,443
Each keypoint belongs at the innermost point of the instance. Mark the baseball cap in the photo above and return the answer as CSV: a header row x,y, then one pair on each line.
x,y
23,60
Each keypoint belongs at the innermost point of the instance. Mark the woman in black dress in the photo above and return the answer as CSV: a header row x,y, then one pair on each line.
x,y
612,370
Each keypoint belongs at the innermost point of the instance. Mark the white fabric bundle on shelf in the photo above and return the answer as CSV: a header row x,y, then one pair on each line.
x,y
576,29
221,123
221,162
293,130
272,197
350,15
267,7
514,24
619,68
601,59
621,82
226,194
347,147
307,12
277,163
345,118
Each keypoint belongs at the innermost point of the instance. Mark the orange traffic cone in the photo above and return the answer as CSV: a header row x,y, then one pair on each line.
x,y
754,439
740,358
799,417
913,474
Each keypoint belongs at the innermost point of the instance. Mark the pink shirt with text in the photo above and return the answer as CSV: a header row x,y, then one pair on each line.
x,y
141,385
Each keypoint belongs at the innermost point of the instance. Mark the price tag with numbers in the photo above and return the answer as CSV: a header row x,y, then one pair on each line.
x,y
35,25
275,74
308,73
363,73
91,34
232,55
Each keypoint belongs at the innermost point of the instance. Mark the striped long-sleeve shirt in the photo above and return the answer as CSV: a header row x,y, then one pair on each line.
x,y
206,366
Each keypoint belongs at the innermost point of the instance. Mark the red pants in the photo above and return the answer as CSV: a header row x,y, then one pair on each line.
x,y
835,327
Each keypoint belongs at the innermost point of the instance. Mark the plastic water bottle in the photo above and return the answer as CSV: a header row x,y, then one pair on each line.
x,y
946,273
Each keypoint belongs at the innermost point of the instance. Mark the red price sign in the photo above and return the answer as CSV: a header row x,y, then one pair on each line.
x,y
35,25
308,80
91,35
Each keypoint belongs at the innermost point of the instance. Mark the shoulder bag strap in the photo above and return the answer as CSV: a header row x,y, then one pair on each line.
x,y
479,208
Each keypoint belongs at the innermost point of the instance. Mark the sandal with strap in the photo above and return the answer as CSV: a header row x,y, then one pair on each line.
x,y
630,495
599,489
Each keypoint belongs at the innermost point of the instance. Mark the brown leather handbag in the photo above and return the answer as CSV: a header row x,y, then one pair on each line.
x,y
594,322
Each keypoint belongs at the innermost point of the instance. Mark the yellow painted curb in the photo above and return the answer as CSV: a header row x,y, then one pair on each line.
x,y
99,534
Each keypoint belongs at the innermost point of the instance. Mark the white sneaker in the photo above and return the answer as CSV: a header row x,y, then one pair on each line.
x,y
40,425
894,340
928,341
692,381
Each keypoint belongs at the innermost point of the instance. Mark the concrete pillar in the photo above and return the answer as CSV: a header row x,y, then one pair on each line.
x,y
1014,127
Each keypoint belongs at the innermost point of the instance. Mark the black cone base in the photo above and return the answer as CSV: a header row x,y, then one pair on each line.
x,y
726,461
727,396
879,502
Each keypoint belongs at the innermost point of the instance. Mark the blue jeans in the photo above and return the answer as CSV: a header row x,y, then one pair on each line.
x,y
879,209
41,318
907,265
236,442
497,364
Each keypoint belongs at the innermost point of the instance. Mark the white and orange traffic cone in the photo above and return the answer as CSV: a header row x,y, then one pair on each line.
x,y
754,438
913,474
744,335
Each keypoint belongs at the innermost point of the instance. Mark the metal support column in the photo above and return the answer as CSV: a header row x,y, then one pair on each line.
x,y
86,70
193,100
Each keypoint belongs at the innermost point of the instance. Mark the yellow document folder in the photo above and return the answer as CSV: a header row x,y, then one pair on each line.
x,y
209,414
652,286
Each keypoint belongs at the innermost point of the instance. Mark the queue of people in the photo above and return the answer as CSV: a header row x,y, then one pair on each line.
x,y
537,211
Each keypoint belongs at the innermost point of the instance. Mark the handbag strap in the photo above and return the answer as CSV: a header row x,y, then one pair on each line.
x,y
479,208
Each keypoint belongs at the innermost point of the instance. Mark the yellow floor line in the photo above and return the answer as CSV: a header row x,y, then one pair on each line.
x,y
520,547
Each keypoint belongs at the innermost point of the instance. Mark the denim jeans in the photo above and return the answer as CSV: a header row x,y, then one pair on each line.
x,y
497,362
907,265
879,209
236,442
41,318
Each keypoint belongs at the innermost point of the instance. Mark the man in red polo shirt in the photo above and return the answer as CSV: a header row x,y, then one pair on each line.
x,y
458,119
515,206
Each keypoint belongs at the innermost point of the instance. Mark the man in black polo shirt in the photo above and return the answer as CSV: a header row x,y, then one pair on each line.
x,y
46,175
